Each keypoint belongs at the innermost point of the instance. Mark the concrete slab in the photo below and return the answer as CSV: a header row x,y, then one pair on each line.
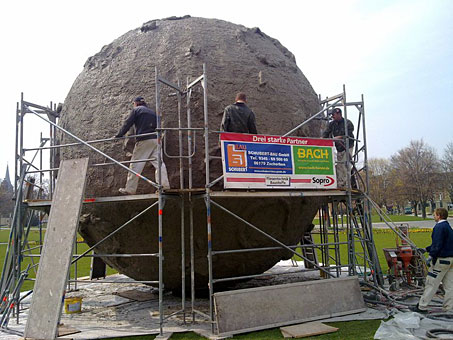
x,y
54,264
254,309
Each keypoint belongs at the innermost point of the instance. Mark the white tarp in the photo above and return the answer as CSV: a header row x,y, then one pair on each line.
x,y
410,326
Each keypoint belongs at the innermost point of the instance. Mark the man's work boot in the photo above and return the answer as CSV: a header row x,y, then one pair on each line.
x,y
418,310
124,191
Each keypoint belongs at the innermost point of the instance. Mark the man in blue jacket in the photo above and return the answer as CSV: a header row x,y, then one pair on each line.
x,y
441,268
145,121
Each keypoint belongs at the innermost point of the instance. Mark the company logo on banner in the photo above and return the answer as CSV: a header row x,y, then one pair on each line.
x,y
260,161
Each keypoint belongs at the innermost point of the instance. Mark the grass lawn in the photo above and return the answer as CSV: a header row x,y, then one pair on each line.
x,y
384,238
83,265
353,330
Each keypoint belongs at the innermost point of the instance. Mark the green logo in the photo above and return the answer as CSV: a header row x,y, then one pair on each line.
x,y
313,160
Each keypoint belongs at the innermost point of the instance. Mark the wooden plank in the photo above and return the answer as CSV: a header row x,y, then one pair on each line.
x,y
252,309
64,330
307,329
56,255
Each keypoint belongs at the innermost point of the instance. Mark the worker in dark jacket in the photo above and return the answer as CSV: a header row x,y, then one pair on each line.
x,y
336,130
145,121
441,264
238,117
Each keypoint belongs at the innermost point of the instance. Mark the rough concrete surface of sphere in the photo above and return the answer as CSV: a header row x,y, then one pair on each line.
x,y
237,59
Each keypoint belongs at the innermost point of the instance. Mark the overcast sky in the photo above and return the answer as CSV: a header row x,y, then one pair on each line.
x,y
397,53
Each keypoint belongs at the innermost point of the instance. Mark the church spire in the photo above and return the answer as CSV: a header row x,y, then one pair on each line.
x,y
7,178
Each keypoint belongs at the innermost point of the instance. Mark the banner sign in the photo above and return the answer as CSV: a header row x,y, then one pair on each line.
x,y
276,162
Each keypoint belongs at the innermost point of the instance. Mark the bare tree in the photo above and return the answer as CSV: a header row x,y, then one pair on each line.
x,y
379,172
418,170
447,165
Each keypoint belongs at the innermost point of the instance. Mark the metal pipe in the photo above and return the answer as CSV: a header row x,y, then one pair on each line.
x,y
104,255
43,108
265,274
122,255
58,146
166,82
16,156
181,186
113,233
208,199
182,129
218,179
30,164
32,248
233,251
189,86
209,255
310,119
97,165
33,184
270,237
52,153
41,176
76,263
130,281
191,233
329,99
351,246
379,278
104,281
160,203
17,245
206,122
201,313
174,313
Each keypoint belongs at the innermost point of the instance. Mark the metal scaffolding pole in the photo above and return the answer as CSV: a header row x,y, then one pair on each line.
x,y
161,205
329,244
191,234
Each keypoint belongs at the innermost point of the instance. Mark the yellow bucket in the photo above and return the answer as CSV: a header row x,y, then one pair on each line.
x,y
73,305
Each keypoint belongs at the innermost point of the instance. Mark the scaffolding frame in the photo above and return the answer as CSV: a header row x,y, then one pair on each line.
x,y
357,207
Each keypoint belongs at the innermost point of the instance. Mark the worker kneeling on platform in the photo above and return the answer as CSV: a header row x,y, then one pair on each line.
x,y
145,121
440,263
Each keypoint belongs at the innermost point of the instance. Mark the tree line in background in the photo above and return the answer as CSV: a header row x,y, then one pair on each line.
x,y
7,201
414,176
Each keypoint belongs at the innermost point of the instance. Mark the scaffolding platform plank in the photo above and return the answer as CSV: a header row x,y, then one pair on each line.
x,y
253,309
278,193
43,204
39,204
56,255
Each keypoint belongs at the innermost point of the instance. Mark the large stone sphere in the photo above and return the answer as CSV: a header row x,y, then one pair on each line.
x,y
237,59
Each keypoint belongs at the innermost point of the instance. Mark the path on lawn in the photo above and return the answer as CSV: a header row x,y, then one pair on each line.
x,y
412,224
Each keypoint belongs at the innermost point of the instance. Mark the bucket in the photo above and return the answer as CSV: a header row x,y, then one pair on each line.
x,y
73,305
